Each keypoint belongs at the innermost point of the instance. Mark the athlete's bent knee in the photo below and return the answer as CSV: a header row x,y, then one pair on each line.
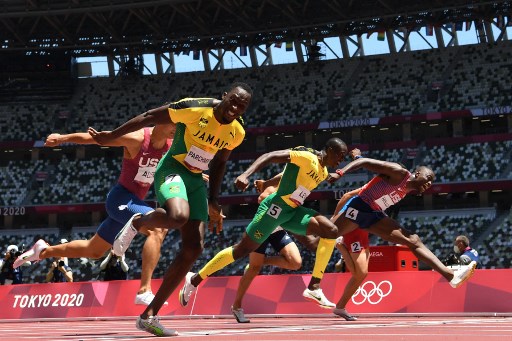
x,y
294,263
415,241
254,269
157,234
177,218
331,232
360,275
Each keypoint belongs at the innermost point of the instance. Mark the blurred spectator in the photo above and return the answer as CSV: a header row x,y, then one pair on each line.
x,y
114,267
465,252
9,275
59,271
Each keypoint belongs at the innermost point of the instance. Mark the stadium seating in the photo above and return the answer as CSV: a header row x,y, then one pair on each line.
x,y
495,251
475,161
375,86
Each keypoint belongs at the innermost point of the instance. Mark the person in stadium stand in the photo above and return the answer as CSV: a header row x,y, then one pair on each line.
x,y
305,170
8,273
465,252
143,149
59,271
365,210
207,130
114,267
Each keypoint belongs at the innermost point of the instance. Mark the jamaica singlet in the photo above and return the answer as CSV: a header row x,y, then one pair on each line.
x,y
302,175
199,135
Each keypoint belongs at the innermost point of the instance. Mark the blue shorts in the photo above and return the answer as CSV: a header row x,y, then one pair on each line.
x,y
278,240
361,213
121,205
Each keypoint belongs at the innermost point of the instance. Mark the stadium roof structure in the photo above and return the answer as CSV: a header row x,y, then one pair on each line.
x,y
96,27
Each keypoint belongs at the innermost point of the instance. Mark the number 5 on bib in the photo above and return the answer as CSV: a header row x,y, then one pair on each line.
x,y
274,211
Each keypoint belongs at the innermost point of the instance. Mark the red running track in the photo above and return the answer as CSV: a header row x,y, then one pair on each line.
x,y
271,328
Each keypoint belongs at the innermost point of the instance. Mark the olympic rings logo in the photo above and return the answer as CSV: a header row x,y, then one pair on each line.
x,y
371,292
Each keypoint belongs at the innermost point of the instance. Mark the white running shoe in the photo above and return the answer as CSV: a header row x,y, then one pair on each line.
x,y
463,274
187,290
239,315
344,313
124,237
31,255
153,326
318,297
145,298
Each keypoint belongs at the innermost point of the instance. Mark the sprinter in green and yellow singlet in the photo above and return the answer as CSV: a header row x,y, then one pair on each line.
x,y
304,171
207,130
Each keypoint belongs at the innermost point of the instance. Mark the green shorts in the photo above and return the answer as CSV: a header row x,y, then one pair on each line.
x,y
173,180
272,212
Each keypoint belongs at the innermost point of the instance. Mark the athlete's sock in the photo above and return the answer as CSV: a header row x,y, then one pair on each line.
x,y
220,261
323,254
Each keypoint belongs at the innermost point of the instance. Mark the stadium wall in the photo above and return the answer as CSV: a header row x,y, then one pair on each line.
x,y
488,292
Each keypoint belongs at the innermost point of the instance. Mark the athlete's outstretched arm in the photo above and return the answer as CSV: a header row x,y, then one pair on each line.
x,y
155,116
393,170
56,139
278,156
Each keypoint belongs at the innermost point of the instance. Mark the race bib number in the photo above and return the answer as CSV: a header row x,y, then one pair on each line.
x,y
198,159
172,178
387,200
351,213
299,195
145,175
274,211
355,247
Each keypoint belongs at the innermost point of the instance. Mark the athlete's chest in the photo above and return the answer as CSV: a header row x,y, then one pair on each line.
x,y
209,133
312,174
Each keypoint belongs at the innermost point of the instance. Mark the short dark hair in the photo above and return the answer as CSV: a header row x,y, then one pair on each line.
x,y
241,85
335,142
420,167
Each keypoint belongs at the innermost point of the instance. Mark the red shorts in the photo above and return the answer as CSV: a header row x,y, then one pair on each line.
x,y
356,241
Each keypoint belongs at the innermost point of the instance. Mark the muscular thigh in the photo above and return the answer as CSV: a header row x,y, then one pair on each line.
x,y
271,213
122,204
172,180
360,213
108,230
356,240
299,222
389,230
280,240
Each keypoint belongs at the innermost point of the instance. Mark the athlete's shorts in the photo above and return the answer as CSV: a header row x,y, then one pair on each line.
x,y
273,212
278,240
356,240
173,180
361,213
121,205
